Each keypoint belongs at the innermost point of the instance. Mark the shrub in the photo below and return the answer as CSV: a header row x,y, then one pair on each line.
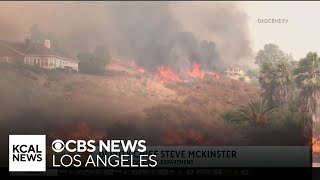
x,y
94,63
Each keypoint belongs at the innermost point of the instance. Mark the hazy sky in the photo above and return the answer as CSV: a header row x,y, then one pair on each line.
x,y
300,35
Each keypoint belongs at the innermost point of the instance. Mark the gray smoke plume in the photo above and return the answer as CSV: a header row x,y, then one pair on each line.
x,y
174,34
222,22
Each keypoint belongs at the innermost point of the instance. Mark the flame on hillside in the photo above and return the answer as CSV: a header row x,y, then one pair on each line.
x,y
138,68
165,74
196,72
79,131
216,74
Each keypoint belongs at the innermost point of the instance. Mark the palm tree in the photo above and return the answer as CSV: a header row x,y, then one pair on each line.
x,y
275,75
308,79
283,78
276,80
256,112
267,82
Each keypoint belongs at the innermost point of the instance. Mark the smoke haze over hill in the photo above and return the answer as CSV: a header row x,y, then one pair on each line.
x,y
174,34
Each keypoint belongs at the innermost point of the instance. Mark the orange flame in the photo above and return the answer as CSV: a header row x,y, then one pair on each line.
x,y
316,144
80,131
216,74
195,137
172,137
196,72
138,68
165,74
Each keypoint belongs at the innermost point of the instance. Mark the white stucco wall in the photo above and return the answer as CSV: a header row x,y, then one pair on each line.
x,y
63,63
49,62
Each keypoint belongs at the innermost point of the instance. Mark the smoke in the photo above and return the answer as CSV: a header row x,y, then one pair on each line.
x,y
173,34
222,22
8,31
78,25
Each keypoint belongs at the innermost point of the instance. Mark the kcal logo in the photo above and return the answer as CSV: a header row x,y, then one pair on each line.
x,y
27,153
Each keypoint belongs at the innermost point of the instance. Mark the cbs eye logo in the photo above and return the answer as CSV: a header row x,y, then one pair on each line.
x,y
73,146
57,145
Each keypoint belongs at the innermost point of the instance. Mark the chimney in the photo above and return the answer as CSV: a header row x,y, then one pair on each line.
x,y
47,43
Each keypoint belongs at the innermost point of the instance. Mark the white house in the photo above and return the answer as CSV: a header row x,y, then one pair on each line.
x,y
41,55
234,72
237,73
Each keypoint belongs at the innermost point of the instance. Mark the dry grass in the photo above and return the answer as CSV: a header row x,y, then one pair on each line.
x,y
44,102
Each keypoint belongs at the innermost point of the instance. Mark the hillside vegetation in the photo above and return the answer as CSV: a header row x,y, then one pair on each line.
x,y
41,101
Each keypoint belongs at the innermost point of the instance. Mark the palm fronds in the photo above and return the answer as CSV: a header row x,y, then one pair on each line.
x,y
256,112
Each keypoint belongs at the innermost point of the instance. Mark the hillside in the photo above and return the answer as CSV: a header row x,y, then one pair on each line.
x,y
124,103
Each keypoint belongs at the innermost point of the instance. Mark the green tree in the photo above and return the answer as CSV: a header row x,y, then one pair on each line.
x,y
276,77
267,82
308,79
284,81
102,53
36,34
94,63
253,73
90,64
269,52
